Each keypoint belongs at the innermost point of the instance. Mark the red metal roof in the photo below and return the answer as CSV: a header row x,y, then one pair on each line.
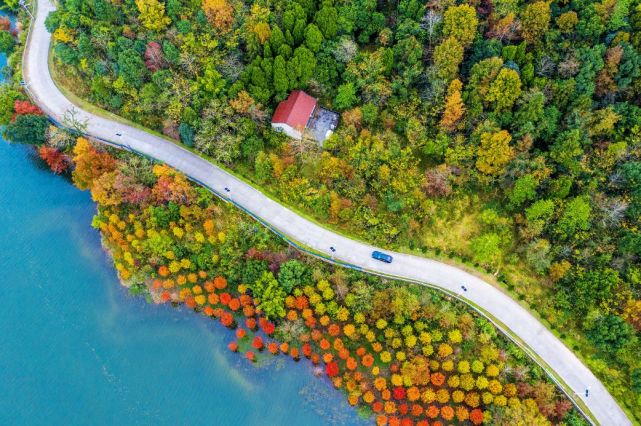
x,y
295,110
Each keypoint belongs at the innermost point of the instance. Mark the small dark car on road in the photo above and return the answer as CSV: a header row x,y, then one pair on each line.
x,y
382,256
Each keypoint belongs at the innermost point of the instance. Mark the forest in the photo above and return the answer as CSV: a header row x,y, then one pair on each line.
x,y
501,134
402,354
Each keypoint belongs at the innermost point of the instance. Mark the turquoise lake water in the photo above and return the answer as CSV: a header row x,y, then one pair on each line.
x,y
77,349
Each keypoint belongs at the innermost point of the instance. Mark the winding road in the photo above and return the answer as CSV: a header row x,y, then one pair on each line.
x,y
492,302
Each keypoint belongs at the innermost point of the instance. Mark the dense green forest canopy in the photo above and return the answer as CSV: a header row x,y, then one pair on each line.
x,y
523,116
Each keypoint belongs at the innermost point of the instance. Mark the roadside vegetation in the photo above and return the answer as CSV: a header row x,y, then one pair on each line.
x,y
501,134
402,354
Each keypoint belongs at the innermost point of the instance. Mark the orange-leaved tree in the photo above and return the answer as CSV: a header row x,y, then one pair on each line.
x,y
90,163
220,13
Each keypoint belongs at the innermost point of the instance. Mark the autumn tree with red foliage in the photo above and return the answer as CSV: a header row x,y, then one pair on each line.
x,y
368,360
307,350
220,282
55,159
398,393
403,409
248,311
295,354
234,304
227,319
172,186
273,348
5,23
562,407
476,416
334,330
432,411
240,333
417,410
225,298
332,369
437,379
250,323
26,107
324,344
301,303
257,343
154,58
351,363
268,327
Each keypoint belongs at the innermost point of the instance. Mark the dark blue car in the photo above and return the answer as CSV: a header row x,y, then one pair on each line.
x,y
382,257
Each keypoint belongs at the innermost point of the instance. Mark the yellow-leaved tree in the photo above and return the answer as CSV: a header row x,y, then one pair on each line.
x,y
152,14
494,152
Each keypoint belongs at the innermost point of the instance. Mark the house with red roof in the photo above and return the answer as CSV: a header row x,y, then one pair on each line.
x,y
300,116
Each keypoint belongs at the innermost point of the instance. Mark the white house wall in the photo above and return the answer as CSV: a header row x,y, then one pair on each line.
x,y
288,130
